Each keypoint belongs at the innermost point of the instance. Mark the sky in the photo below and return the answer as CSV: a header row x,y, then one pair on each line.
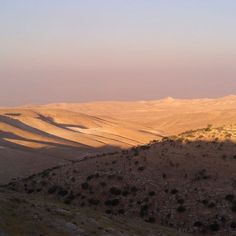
x,y
78,51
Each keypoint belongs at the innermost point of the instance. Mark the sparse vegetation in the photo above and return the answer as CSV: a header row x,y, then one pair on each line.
x,y
181,209
85,186
160,184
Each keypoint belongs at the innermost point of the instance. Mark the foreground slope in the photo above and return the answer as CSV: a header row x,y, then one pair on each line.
x,y
21,216
186,182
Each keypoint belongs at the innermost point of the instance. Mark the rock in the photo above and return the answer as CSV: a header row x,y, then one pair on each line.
x,y
36,217
71,226
61,211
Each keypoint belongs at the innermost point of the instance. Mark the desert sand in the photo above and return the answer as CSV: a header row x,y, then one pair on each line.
x,y
48,135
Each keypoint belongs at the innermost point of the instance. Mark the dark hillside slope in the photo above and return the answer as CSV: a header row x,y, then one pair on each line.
x,y
187,182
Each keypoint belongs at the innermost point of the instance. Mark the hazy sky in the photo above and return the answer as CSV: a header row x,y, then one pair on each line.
x,y
85,50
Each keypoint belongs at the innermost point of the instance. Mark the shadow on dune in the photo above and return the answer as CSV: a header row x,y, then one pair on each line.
x,y
51,121
18,124
15,157
21,161
60,150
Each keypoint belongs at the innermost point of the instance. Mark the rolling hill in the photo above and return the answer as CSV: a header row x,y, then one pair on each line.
x,y
185,182
34,138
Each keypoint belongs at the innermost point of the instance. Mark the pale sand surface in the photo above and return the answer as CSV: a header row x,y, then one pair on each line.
x,y
47,135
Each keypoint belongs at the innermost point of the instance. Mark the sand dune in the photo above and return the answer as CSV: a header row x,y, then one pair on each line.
x,y
72,131
33,139
167,116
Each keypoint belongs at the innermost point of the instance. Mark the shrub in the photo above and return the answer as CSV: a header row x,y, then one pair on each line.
x,y
45,174
115,191
108,211
133,189
174,191
140,168
233,208
43,183
136,152
223,219
233,225
211,205
180,201
96,175
93,201
113,202
52,189
229,197
29,191
181,209
85,185
197,224
69,198
151,220
209,127
62,192
103,184
125,193
152,193
119,178
121,211
214,227
205,202
144,210
90,177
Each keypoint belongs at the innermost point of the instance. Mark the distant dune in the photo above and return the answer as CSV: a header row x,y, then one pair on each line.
x,y
166,116
57,133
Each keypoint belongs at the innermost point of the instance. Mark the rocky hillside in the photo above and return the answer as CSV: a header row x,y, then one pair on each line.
x,y
186,182
22,215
